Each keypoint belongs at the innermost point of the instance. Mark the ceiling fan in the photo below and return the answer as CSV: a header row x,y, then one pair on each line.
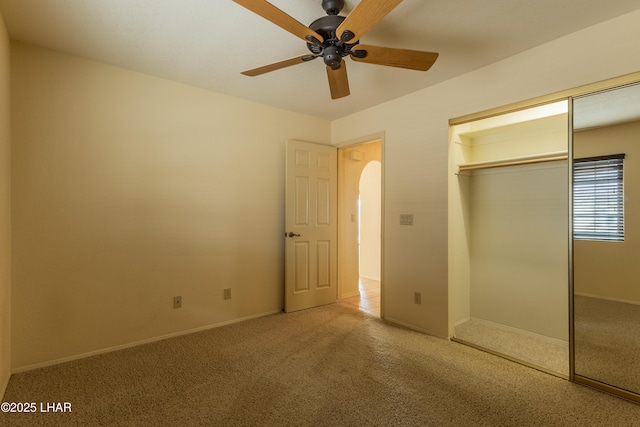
x,y
334,37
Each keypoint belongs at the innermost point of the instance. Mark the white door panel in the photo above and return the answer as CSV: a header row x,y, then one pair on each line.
x,y
311,229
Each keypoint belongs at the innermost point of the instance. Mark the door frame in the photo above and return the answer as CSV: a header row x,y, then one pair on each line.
x,y
378,136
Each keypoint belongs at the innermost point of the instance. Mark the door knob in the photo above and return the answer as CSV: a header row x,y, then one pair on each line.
x,y
291,234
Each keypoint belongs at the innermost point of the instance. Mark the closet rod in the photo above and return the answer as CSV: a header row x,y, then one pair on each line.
x,y
515,162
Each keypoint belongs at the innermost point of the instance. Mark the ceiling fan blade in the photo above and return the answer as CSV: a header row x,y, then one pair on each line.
x,y
365,15
338,81
402,58
278,65
280,18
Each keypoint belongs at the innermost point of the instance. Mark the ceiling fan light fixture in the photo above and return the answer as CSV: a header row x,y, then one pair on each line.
x,y
332,57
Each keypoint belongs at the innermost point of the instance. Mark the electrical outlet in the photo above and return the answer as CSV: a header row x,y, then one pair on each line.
x,y
227,293
406,219
177,302
417,298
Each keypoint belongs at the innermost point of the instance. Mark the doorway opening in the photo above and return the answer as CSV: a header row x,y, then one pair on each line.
x,y
360,226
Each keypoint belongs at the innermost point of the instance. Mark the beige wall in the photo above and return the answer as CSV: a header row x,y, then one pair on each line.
x,y
416,135
5,212
129,190
370,220
610,269
519,247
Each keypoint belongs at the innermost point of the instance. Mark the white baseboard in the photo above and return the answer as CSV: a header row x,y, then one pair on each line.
x,y
460,322
414,328
580,294
350,294
137,343
523,332
3,387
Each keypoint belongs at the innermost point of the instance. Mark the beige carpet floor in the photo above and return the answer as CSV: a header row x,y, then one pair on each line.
x,y
549,354
607,341
329,366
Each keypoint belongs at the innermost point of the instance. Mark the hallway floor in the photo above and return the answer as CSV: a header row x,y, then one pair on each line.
x,y
369,298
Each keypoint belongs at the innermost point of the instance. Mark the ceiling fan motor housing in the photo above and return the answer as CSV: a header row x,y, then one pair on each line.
x,y
332,7
332,50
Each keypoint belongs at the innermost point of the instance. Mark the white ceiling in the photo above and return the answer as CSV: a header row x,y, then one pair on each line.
x,y
207,43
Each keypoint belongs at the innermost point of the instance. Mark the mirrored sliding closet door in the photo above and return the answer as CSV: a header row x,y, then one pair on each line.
x,y
606,240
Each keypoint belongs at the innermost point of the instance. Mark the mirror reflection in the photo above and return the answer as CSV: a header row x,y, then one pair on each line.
x,y
606,233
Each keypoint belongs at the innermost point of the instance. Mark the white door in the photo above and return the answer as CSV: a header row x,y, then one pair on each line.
x,y
310,225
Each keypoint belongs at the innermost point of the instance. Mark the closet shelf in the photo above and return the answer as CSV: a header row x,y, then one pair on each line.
x,y
515,161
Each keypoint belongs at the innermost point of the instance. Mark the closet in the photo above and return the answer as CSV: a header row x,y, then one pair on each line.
x,y
509,246
544,233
